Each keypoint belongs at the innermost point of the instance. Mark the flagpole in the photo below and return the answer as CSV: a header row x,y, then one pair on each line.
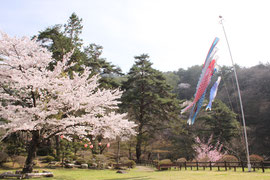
x,y
239,95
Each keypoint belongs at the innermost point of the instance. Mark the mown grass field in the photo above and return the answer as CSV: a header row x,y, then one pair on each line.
x,y
141,173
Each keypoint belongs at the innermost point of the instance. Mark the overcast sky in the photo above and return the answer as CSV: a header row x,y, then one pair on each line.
x,y
174,33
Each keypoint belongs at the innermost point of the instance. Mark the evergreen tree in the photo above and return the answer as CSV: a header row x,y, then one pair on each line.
x,y
99,65
55,41
182,137
73,29
148,100
220,121
61,40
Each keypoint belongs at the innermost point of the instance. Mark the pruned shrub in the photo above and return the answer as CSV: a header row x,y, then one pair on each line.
x,y
181,160
132,163
125,160
165,162
111,162
155,162
48,159
19,160
203,162
230,159
73,157
255,157
110,155
80,161
193,162
3,158
101,161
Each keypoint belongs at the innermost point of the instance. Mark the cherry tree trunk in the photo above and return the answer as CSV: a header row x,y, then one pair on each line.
x,y
32,149
57,147
118,151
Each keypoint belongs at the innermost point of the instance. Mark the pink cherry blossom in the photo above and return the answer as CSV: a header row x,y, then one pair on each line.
x,y
49,100
208,152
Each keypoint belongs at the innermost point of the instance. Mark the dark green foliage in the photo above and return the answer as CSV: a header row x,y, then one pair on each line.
x,y
45,148
15,144
55,40
182,137
3,157
189,77
254,84
48,159
101,161
173,80
73,29
80,161
99,65
61,40
125,160
148,100
220,121
65,150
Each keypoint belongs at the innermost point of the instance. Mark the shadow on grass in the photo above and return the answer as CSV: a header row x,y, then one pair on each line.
x,y
135,178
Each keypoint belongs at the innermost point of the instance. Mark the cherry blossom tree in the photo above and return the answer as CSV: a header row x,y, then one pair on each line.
x,y
208,152
47,103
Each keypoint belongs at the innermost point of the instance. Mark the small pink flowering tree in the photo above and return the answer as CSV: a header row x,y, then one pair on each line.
x,y
47,103
206,151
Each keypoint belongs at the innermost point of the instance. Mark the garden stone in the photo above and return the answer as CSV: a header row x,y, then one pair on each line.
x,y
84,166
121,172
69,165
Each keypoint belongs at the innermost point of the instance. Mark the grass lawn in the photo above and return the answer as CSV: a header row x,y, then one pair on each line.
x,y
140,173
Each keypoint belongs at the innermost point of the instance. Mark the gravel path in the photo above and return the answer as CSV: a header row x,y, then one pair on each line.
x,y
144,168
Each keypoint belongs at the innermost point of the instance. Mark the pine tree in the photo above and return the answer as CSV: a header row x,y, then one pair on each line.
x,y
220,121
61,39
73,29
148,100
99,65
55,41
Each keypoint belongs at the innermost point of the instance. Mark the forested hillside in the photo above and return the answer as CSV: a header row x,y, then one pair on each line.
x,y
254,83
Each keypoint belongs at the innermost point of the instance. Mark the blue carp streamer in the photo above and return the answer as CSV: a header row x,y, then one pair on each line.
x,y
213,93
